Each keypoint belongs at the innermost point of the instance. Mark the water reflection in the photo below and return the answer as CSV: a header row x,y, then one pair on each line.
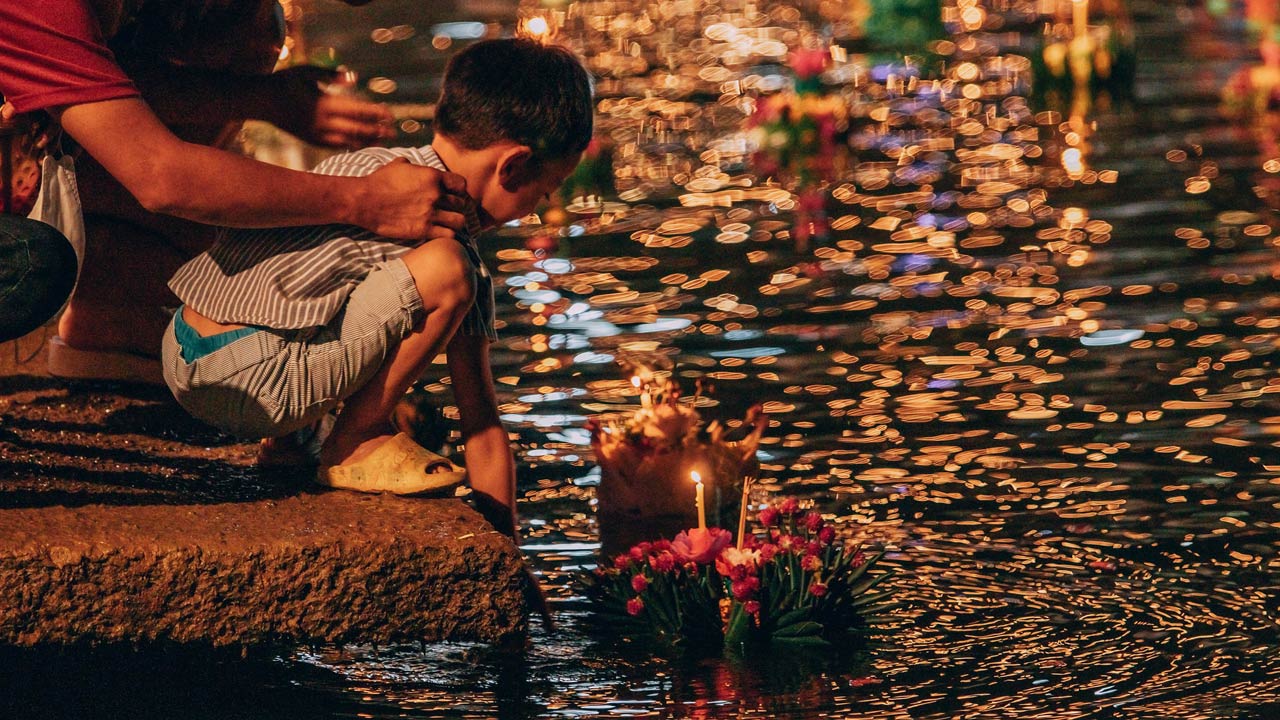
x,y
1032,352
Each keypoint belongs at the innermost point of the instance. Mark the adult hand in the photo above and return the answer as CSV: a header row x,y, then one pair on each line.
x,y
412,202
307,106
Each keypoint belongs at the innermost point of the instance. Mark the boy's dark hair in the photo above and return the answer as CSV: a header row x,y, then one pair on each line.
x,y
518,90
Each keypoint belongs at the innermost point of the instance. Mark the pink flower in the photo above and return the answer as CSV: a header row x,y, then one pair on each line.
x,y
621,562
817,589
639,583
736,564
813,547
813,521
635,606
746,587
789,507
663,562
752,607
658,546
858,559
827,535
810,563
769,516
700,545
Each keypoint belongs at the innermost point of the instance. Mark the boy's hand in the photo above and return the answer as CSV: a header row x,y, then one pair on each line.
x,y
410,202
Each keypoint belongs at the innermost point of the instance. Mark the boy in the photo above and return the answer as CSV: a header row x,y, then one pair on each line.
x,y
280,326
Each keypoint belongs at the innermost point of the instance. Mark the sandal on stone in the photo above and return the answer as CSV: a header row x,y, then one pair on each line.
x,y
399,466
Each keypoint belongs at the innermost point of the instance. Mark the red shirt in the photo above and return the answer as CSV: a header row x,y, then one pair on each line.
x,y
52,54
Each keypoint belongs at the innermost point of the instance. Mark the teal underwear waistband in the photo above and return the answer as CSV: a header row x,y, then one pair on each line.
x,y
195,347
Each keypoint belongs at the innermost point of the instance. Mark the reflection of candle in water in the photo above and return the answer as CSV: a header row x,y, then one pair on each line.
x,y
1073,163
702,510
1080,16
645,400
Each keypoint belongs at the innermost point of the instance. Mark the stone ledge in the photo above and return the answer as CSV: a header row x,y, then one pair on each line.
x,y
329,568
122,520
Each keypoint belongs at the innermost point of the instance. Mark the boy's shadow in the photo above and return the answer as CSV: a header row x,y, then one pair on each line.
x,y
78,443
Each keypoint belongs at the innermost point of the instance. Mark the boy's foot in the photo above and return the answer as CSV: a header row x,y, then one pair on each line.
x,y
300,447
398,466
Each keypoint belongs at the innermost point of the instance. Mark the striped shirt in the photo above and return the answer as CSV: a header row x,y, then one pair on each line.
x,y
300,277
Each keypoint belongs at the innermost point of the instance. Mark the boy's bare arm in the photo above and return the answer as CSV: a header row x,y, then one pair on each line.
x,y
490,465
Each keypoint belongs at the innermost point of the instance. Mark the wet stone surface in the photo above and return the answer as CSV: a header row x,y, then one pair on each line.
x,y
124,521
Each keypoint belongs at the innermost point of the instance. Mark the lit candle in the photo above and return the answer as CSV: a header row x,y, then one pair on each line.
x,y
1080,16
742,510
702,510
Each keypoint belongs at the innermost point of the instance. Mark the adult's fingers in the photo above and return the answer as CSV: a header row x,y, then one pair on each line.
x,y
340,131
356,108
453,201
454,183
7,111
455,220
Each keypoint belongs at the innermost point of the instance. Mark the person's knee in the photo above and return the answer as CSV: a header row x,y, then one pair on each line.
x,y
443,276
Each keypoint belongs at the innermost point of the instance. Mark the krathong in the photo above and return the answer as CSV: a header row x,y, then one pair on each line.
x,y
648,458
794,584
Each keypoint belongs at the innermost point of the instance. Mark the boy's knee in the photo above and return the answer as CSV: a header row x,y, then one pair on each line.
x,y
443,275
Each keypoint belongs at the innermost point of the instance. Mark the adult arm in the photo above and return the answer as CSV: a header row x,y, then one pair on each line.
x,y
170,176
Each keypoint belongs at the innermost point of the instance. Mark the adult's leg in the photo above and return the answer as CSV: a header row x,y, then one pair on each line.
x,y
442,276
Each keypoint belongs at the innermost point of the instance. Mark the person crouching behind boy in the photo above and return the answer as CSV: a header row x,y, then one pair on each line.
x,y
280,326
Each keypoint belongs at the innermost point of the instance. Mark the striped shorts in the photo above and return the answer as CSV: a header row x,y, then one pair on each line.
x,y
272,382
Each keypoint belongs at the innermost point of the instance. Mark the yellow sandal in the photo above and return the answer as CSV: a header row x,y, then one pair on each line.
x,y
399,466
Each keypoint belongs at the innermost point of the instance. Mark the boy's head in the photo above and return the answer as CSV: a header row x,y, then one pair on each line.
x,y
521,113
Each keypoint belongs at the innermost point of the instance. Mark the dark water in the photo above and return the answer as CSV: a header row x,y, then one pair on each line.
x,y
1061,418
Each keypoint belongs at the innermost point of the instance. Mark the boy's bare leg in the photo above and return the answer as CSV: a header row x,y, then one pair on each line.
x,y
443,277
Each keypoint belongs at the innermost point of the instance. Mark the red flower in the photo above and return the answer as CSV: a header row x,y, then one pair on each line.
x,y
746,587
639,551
700,545
813,521
635,606
752,607
827,535
858,559
810,563
808,63
769,516
621,562
817,589
792,543
639,583
789,507
663,562
767,552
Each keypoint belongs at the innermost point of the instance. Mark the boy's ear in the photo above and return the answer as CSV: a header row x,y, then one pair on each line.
x,y
516,166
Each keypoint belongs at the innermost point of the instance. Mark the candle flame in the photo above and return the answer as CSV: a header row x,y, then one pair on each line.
x,y
696,476
635,381
537,28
